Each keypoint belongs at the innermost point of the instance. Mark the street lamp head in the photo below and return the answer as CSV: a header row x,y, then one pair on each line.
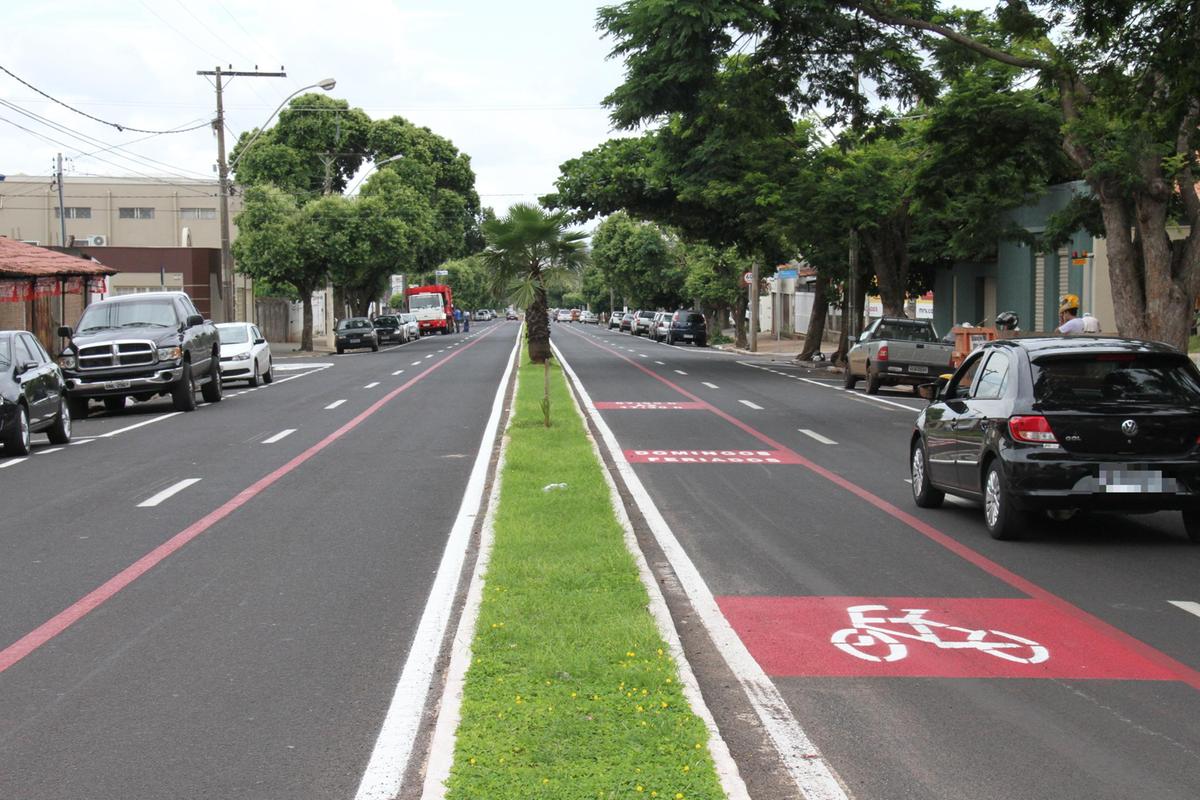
x,y
327,84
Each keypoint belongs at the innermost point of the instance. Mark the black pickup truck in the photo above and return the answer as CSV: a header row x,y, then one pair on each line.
x,y
141,346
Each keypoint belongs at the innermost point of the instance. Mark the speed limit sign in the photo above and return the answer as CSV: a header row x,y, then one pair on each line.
x,y
747,278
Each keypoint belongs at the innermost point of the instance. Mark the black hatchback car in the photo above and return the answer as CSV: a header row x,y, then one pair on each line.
x,y
31,394
1060,425
687,326
353,333
389,329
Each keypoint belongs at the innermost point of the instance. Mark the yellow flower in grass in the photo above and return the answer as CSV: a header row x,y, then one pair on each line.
x,y
641,788
631,654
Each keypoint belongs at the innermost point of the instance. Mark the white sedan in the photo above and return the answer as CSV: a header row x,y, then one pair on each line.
x,y
245,354
409,321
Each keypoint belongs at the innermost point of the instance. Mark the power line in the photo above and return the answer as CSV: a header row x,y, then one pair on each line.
x,y
122,128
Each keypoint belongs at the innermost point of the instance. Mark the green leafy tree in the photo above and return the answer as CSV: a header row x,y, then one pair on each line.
x,y
468,279
529,250
637,261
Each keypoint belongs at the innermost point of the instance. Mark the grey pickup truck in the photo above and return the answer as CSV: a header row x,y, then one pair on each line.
x,y
896,351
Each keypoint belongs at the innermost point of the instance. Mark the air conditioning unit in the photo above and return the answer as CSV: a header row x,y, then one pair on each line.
x,y
95,240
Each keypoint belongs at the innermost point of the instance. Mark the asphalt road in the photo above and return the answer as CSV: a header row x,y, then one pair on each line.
x,y
241,637
1058,666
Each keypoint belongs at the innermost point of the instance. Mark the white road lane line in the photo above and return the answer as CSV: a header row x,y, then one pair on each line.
x,y
44,452
415,364
681,372
81,441
1187,605
817,436
334,405
710,385
154,500
283,434
660,363
13,461
397,372
371,385
643,355
428,356
150,421
748,404
866,398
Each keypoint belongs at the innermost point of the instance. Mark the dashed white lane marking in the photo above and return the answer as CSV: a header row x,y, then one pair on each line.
x,y
44,452
371,385
428,356
710,385
748,404
397,372
1187,605
681,372
415,364
334,405
866,398
817,436
13,461
643,355
660,363
154,500
283,434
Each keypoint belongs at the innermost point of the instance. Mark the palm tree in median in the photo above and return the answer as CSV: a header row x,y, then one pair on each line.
x,y
528,250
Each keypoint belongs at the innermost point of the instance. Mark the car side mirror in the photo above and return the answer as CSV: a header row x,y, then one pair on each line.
x,y
194,319
65,331
24,367
260,341
862,337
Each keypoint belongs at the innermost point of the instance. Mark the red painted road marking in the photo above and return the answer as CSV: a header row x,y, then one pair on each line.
x,y
623,405
98,596
1180,671
795,636
709,457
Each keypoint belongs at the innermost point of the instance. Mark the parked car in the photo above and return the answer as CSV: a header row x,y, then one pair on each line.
x,y
564,315
895,351
641,323
31,394
355,333
661,318
614,320
687,326
412,329
245,354
141,345
389,329
627,321
589,318
1061,425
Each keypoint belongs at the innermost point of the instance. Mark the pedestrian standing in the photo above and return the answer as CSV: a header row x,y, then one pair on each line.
x,y
1068,315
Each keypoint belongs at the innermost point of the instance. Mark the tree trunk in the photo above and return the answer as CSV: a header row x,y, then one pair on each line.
x,y
739,321
889,259
856,305
306,339
537,328
816,322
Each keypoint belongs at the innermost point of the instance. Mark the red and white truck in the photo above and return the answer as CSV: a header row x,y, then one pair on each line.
x,y
433,306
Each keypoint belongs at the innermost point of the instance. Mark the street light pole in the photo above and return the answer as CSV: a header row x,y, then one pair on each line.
x,y
371,169
229,303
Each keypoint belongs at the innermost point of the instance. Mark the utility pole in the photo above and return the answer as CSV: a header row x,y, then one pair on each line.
x,y
62,211
230,305
754,306
852,318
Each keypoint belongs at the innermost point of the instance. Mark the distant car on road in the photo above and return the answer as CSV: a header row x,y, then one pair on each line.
x,y
245,353
1062,425
389,329
564,315
626,321
31,394
510,315
412,329
896,351
589,318
660,325
641,322
355,333
687,326
614,320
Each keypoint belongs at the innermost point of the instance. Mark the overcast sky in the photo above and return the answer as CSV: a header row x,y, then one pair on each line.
x,y
516,85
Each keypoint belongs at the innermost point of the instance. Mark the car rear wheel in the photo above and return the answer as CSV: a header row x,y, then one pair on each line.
x,y
1191,524
60,431
1002,519
924,495
16,439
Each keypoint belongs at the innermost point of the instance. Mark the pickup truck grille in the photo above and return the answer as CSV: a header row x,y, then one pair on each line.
x,y
116,354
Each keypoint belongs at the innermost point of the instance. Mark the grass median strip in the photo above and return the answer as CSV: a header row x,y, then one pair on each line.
x,y
571,692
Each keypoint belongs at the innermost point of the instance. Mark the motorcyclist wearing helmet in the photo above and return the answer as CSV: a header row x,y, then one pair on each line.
x,y
1068,315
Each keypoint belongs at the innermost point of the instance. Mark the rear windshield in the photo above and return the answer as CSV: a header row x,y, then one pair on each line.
x,y
387,322
905,331
424,301
646,314
1156,379
348,324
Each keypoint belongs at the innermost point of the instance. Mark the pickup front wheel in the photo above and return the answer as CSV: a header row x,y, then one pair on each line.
x,y
183,393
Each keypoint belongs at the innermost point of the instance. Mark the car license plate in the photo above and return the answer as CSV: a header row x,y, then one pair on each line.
x,y
1119,479
687,336
116,384
918,370
355,339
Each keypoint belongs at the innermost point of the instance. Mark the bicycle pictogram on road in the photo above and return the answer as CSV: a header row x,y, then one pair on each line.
x,y
875,636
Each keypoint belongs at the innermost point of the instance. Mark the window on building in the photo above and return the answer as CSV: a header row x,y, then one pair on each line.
x,y
197,213
75,212
136,213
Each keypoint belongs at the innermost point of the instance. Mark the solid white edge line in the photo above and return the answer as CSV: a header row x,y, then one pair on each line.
x,y
805,765
389,758
1187,605
281,435
851,392
445,732
817,436
151,421
13,461
723,762
166,493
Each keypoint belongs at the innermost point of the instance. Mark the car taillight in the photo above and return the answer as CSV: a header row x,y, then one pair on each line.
x,y
881,354
1031,429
